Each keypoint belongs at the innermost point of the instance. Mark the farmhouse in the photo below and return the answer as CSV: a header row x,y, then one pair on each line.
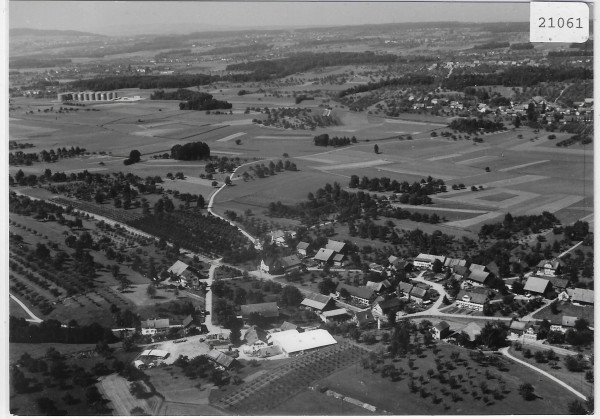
x,y
336,315
360,295
398,264
478,278
404,289
583,296
363,318
265,310
378,287
525,330
559,284
339,260
476,267
317,302
336,246
220,359
419,295
538,286
302,249
290,262
183,272
255,336
461,272
440,330
384,307
324,256
471,300
271,265
194,321
425,261
550,267
154,326
293,343
452,263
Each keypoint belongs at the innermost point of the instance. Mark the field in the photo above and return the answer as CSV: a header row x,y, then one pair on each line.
x,y
567,309
395,397
116,389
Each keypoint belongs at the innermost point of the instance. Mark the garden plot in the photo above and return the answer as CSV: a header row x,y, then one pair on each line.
x,y
479,198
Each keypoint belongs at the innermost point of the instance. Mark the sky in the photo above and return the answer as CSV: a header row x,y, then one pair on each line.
x,y
123,17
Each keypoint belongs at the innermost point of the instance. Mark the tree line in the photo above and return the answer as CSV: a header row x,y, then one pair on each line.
x,y
22,331
425,187
324,140
472,125
408,79
520,224
191,151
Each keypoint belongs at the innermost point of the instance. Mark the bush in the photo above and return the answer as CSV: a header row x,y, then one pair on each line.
x,y
527,391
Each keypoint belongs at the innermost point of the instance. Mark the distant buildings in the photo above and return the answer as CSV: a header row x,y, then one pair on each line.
x,y
87,96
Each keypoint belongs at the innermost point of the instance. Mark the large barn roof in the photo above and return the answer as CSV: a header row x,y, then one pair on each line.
x,y
292,341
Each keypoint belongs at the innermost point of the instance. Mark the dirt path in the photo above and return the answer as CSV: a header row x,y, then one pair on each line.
x,y
33,318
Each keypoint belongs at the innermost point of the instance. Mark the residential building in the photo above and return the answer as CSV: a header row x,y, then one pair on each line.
x,y
559,284
336,315
220,359
339,260
440,330
271,265
318,302
471,300
383,308
255,336
537,286
583,296
552,267
324,256
404,289
425,261
302,249
291,262
478,278
360,295
336,246
419,295
452,262
379,287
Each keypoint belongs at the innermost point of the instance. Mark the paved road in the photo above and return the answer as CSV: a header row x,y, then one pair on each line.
x,y
504,351
33,318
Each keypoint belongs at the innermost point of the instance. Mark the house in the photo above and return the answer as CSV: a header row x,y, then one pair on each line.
x,y
271,265
568,321
524,330
339,260
302,248
478,278
183,272
404,289
375,267
552,267
336,246
220,359
324,255
382,308
318,302
194,321
564,295
398,264
289,326
452,262
278,236
379,287
472,330
440,330
559,284
154,326
425,261
476,267
293,343
583,296
471,300
419,295
336,315
266,310
255,336
538,286
363,318
290,262
360,295
461,272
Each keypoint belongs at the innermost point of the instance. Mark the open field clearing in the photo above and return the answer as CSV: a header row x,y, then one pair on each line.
x,y
522,166
116,389
395,397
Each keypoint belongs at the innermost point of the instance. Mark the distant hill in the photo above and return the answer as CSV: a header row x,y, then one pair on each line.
x,y
48,32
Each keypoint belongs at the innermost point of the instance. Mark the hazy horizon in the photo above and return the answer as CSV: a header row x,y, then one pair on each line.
x,y
161,17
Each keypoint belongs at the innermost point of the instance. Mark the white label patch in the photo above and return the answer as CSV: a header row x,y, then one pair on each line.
x,y
559,22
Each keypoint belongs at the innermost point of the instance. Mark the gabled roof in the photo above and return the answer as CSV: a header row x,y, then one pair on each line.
x,y
220,358
552,264
424,257
191,320
255,334
178,268
393,259
316,301
336,246
338,257
155,323
290,261
264,309
535,284
569,321
461,270
375,286
418,292
364,317
288,326
291,341
360,292
405,287
442,326
583,295
269,351
302,246
476,267
559,282
335,313
324,255
473,330
452,262
479,276
474,297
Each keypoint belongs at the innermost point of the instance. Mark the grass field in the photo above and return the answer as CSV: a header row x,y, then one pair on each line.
x,y
395,397
116,389
567,309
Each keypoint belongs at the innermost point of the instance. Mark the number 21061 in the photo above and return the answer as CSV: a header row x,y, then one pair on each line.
x,y
560,22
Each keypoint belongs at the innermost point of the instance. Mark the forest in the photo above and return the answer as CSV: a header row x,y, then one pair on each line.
x,y
409,79
190,151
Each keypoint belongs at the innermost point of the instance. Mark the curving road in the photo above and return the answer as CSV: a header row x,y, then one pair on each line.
x,y
504,351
